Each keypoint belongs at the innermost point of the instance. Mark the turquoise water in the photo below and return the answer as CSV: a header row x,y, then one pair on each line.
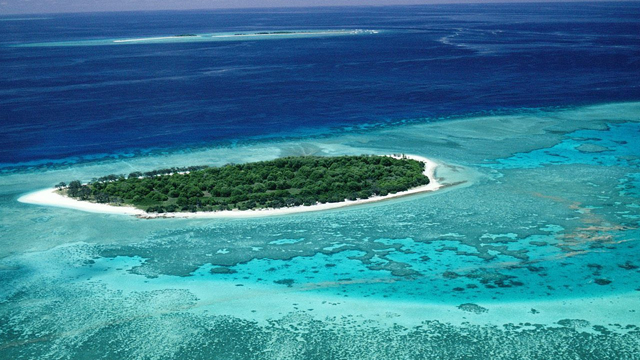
x,y
531,246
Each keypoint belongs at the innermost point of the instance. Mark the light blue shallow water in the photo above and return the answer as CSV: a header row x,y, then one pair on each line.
x,y
532,245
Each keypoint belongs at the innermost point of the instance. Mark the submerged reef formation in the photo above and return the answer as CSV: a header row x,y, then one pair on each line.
x,y
299,336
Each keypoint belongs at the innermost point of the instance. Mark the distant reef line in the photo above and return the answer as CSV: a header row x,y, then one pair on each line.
x,y
192,37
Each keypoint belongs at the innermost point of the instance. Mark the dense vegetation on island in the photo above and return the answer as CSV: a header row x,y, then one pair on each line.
x,y
284,182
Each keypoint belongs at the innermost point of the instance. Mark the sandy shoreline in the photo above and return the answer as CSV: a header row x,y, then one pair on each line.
x,y
48,197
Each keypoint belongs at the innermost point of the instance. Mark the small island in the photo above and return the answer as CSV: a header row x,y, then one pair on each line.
x,y
277,187
284,182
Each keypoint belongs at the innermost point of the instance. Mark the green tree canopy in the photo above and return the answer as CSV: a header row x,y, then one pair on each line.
x,y
289,181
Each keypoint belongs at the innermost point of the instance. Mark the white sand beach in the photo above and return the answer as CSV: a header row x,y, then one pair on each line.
x,y
49,197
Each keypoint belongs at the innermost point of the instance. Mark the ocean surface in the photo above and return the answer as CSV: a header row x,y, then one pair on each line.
x,y
530,251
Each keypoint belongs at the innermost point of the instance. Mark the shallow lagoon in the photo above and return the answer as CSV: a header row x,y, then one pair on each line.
x,y
533,246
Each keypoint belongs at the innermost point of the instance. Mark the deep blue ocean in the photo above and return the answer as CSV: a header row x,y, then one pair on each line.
x,y
427,62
